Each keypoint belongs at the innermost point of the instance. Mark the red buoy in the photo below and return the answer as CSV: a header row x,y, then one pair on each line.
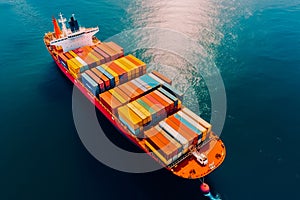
x,y
204,188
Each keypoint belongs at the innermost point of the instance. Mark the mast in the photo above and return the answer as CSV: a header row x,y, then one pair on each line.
x,y
63,24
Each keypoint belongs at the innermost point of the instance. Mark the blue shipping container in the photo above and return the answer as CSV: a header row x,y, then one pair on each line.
x,y
108,75
90,84
188,124
150,81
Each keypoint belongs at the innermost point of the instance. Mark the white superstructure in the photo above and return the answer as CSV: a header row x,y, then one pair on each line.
x,y
72,39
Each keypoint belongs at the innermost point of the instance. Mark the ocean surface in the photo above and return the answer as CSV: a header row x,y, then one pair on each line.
x,y
254,45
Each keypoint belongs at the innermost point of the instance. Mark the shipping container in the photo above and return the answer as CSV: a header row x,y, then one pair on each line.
x,y
166,104
134,69
90,84
148,108
106,57
109,101
108,75
139,113
121,72
139,85
136,91
150,81
170,96
122,94
171,139
113,54
117,95
105,80
166,162
63,59
194,123
116,48
188,124
84,64
142,109
162,77
198,119
97,80
99,56
128,71
130,119
161,109
175,135
128,91
184,130
113,73
126,123
162,148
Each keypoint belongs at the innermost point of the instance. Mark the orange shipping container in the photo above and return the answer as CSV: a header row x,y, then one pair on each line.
x,y
122,94
181,128
113,54
102,77
96,79
109,101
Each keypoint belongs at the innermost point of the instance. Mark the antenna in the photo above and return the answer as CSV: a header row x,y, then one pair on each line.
x,y
62,20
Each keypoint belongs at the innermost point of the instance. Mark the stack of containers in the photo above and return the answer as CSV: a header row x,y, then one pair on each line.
x,y
157,110
137,62
89,79
113,73
105,79
182,129
63,59
90,84
172,140
122,74
151,107
163,146
116,48
206,127
105,56
106,74
111,52
177,136
109,101
190,124
130,119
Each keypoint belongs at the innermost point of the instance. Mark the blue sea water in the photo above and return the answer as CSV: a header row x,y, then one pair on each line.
x,y
254,44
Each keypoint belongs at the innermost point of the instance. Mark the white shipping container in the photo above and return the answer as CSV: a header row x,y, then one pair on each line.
x,y
156,78
192,121
174,134
198,119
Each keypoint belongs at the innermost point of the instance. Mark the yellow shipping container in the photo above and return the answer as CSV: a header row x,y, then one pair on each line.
x,y
94,58
73,65
127,113
73,74
136,59
167,162
142,109
129,72
114,74
144,118
73,54
117,95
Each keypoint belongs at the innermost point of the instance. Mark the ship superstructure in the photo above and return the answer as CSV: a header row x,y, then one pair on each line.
x,y
73,37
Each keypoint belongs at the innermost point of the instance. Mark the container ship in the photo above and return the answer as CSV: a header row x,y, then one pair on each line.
x,y
143,106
